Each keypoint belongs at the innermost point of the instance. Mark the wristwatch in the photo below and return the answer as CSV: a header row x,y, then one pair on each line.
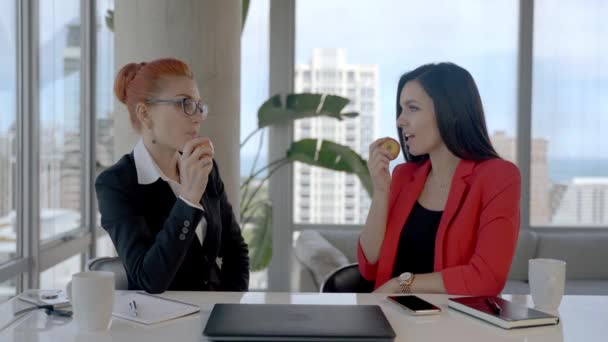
x,y
406,279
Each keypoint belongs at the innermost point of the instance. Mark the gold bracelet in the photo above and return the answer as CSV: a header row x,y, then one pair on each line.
x,y
406,286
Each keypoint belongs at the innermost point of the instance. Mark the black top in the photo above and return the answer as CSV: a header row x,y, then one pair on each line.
x,y
416,251
154,233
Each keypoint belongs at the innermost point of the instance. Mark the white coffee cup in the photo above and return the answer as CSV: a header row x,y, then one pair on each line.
x,y
547,279
92,297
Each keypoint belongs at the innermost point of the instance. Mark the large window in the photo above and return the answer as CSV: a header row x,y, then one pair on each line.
x,y
58,276
104,103
60,133
393,37
8,116
44,106
569,157
254,83
254,91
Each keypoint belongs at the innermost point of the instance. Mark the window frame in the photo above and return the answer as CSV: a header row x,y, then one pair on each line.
x,y
33,256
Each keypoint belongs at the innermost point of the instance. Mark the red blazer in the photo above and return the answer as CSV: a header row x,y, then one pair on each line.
x,y
477,233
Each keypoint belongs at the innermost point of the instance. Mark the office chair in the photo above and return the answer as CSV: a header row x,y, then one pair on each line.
x,y
111,264
347,279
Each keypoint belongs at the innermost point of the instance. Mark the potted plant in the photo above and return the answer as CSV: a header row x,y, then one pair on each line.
x,y
256,210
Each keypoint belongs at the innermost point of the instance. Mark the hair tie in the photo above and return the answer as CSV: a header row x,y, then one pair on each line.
x,y
138,67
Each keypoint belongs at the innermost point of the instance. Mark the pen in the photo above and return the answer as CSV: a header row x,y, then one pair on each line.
x,y
494,306
133,308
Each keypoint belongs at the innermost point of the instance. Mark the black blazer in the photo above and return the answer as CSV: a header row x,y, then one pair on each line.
x,y
154,233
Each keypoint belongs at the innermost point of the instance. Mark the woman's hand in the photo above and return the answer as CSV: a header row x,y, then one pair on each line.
x,y
391,286
194,165
379,158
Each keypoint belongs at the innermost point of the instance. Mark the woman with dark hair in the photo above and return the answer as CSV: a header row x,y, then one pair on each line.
x,y
447,220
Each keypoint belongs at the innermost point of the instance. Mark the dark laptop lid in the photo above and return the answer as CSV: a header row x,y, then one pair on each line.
x,y
291,322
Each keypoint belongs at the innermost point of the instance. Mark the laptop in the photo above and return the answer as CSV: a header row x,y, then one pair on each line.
x,y
291,322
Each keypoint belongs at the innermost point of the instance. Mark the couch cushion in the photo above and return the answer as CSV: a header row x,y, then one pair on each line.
x,y
518,287
526,247
573,287
321,257
587,287
585,252
302,279
345,240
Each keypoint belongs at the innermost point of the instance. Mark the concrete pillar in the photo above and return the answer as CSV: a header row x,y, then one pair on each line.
x,y
206,34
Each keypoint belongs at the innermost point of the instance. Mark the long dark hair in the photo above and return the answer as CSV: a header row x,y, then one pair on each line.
x,y
458,108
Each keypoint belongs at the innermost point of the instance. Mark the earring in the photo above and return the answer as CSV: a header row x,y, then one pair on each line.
x,y
153,136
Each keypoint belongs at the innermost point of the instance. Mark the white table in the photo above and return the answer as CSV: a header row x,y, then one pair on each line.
x,y
583,318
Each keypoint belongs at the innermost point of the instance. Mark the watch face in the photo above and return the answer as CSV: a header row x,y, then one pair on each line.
x,y
405,276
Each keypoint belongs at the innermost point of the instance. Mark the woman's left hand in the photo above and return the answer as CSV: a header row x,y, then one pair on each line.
x,y
391,286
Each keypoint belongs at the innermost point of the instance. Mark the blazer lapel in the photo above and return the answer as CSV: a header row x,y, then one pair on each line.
x,y
157,201
457,191
408,194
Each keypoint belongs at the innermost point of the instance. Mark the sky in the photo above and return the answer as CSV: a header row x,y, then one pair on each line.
x,y
570,102
55,15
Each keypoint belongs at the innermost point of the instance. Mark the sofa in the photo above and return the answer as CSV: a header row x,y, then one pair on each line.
x,y
318,252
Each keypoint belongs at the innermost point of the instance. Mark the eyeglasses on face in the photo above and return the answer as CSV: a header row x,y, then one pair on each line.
x,y
189,106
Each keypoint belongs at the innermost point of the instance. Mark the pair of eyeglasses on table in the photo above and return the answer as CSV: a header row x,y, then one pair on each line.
x,y
48,309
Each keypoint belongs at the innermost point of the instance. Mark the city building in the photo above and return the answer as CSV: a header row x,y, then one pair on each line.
x,y
540,184
584,201
321,195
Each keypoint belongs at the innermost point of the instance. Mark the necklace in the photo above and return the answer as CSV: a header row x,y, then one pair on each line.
x,y
438,184
441,185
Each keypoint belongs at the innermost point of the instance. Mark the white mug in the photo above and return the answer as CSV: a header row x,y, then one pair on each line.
x,y
92,297
547,279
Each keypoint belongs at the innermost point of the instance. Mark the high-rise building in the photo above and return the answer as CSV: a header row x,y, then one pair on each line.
x,y
105,143
325,196
71,156
584,201
71,145
540,184
51,178
8,167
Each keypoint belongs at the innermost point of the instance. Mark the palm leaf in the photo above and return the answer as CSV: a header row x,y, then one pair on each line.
x,y
244,16
333,156
299,106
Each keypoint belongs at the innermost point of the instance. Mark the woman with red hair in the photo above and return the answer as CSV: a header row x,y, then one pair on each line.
x,y
164,204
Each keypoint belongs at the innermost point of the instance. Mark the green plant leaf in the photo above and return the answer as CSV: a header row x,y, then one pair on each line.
x,y
260,241
333,156
110,20
325,154
299,106
245,11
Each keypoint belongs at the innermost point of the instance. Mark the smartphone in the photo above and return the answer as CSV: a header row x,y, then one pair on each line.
x,y
415,305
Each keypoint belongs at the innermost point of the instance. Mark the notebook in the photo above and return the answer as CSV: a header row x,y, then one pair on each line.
x,y
293,322
151,309
510,316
